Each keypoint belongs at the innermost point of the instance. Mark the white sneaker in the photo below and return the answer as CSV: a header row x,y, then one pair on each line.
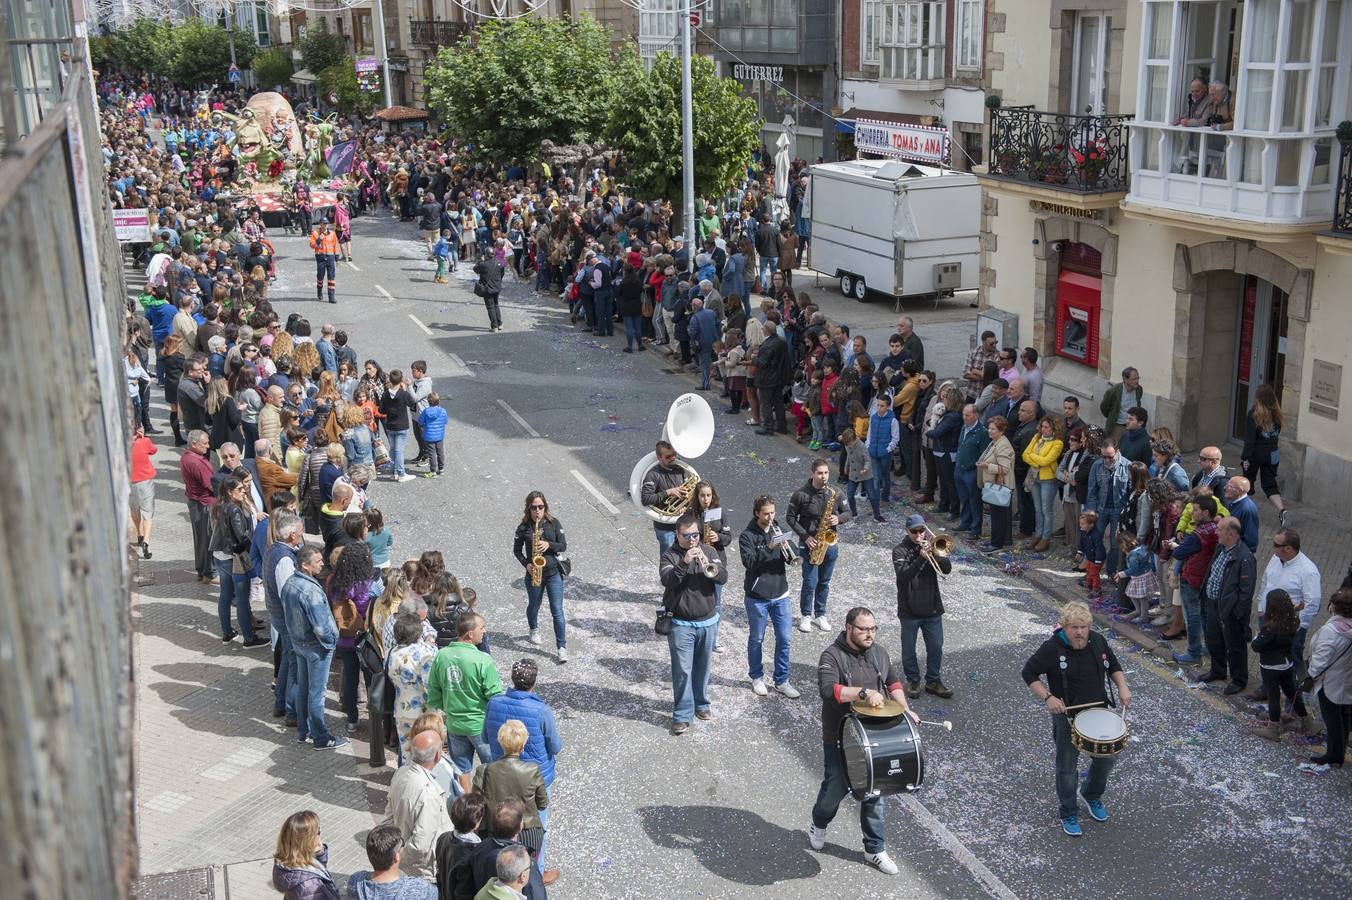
x,y
405,477
758,687
882,862
535,636
805,625
563,654
823,623
718,648
816,837
788,690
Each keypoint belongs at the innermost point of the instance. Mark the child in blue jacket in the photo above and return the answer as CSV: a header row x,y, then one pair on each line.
x,y
433,422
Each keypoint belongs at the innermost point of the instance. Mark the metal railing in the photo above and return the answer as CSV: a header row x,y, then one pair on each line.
x,y
1342,200
1082,154
431,33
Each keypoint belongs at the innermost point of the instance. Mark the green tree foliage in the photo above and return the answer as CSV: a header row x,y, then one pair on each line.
x,y
645,124
341,79
145,46
200,52
321,48
523,81
272,67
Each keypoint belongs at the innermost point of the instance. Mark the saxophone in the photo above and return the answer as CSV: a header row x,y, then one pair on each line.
x,y
537,559
826,535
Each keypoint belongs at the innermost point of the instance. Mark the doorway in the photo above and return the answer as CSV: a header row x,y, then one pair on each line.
x,y
1089,87
1260,347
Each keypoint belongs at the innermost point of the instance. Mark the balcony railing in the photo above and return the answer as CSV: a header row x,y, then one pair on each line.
x,y
1342,201
1081,154
430,33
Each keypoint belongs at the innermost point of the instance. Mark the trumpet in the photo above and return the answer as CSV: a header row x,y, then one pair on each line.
x,y
941,545
785,549
706,565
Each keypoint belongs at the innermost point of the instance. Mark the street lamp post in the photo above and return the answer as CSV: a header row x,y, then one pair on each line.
x,y
687,130
384,51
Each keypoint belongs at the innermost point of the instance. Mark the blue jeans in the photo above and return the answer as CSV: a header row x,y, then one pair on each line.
x,y
552,585
706,359
633,331
816,582
660,332
605,313
1068,770
833,790
666,539
1107,531
541,271
398,440
870,488
1192,616
932,628
234,592
690,649
347,687
544,838
969,496
312,679
1044,505
284,693
759,613
463,749
882,477
768,265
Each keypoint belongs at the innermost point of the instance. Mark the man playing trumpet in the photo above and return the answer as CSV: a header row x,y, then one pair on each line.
x,y
689,573
919,606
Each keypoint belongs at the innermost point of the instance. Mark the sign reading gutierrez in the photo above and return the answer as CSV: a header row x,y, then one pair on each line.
x,y
746,72
918,142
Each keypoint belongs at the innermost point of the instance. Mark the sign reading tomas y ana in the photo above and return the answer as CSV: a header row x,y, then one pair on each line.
x,y
917,142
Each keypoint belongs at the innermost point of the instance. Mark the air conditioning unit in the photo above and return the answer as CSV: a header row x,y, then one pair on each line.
x,y
947,276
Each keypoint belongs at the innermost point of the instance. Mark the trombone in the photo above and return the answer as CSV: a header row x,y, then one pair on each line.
x,y
941,545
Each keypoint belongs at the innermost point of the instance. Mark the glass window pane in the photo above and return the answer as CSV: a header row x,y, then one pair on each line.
x,y
1258,101
785,13
1293,99
1322,170
1299,22
1251,163
1288,163
1213,155
1333,19
1151,157
1262,26
1201,29
785,39
757,13
756,38
1186,151
1323,101
1156,93
1161,29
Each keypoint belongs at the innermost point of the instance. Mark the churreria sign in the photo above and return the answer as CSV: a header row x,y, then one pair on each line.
x,y
918,142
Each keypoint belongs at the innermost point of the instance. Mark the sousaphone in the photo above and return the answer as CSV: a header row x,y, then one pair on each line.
x,y
689,429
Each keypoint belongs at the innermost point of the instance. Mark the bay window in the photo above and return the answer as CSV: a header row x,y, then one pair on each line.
x,y
911,42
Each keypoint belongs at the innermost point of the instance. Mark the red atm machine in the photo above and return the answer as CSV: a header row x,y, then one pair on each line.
x,y
1079,298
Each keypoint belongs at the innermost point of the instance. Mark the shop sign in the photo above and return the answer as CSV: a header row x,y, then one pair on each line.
x,y
747,72
132,225
1326,388
1066,212
917,142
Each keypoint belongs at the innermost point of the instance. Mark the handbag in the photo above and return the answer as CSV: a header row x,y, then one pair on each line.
x,y
380,690
663,624
565,564
345,617
479,289
380,451
995,494
240,564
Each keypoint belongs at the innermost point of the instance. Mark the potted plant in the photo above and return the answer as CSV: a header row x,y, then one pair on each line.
x,y
1091,161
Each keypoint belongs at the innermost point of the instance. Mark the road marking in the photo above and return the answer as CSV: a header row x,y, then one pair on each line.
x,y
384,293
610,508
949,841
455,358
520,421
351,265
416,321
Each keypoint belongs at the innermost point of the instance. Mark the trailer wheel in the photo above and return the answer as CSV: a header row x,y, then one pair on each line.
x,y
846,284
860,290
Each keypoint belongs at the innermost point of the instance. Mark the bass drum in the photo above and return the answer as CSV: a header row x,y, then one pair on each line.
x,y
882,756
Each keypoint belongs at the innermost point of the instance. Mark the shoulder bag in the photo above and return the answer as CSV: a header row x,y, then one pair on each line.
x,y
663,624
996,494
380,690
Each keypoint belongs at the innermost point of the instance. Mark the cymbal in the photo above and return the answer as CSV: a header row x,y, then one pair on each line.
x,y
889,710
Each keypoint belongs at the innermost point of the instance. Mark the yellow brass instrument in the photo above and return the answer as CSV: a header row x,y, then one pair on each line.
x,y
826,535
675,504
537,559
941,545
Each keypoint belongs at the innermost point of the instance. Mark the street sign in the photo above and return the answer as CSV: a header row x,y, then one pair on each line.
x,y
694,19
233,75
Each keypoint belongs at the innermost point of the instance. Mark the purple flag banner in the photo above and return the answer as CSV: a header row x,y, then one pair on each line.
x,y
339,157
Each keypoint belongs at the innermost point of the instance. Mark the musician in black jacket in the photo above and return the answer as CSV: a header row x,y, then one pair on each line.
x,y
919,607
766,590
552,542
1077,663
660,483
688,594
805,516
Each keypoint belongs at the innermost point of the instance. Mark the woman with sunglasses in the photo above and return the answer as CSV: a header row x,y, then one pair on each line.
x,y
541,535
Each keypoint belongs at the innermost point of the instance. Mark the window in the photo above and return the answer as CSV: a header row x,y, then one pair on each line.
x,y
969,34
868,33
1092,59
911,39
1158,47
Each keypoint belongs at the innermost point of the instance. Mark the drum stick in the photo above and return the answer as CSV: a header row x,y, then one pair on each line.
x,y
945,724
1084,706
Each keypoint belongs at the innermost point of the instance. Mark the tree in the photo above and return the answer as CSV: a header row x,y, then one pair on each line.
x,y
341,79
645,124
523,81
145,47
272,67
200,52
321,49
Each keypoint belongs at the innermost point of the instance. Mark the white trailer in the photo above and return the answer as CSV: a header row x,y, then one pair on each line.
x,y
896,228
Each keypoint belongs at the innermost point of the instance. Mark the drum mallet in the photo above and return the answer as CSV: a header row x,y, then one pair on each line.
x,y
945,724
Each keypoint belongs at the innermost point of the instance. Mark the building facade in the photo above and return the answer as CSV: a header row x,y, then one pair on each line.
x,y
1165,190
916,62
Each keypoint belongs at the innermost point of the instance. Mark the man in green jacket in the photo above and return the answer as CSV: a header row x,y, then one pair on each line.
x,y
513,873
1118,399
462,680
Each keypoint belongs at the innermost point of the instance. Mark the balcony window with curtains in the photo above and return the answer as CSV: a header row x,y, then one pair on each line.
x,y
969,34
868,33
911,38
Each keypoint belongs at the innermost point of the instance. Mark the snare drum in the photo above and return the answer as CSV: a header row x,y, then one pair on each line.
x,y
1099,732
882,756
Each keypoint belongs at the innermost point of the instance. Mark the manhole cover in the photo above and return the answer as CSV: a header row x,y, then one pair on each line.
x,y
190,884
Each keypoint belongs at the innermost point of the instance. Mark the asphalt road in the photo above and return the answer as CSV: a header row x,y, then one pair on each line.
x,y
1199,807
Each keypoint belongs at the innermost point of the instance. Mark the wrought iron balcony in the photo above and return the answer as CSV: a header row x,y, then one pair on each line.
x,y
1080,154
430,33
1342,201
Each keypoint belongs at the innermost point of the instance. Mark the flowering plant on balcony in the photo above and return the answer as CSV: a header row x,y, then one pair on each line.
x,y
1091,161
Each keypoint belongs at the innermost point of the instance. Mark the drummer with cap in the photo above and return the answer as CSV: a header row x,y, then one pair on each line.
x,y
1077,664
853,668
